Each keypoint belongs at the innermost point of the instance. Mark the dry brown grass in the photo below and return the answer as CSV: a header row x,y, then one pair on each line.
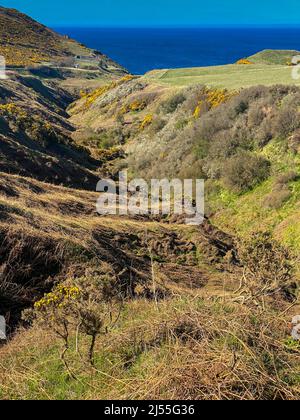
x,y
48,233
234,360
180,334
187,348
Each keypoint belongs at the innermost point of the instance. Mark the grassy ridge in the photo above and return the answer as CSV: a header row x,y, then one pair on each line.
x,y
282,57
231,76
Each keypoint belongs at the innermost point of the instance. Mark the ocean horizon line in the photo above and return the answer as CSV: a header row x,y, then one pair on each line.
x,y
202,26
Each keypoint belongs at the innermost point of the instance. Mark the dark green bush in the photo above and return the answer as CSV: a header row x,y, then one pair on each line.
x,y
286,121
171,105
107,139
241,107
157,125
245,170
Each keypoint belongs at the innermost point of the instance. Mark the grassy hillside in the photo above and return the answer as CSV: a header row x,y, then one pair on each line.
x,y
187,348
282,57
148,307
50,233
234,76
35,135
192,132
25,42
176,315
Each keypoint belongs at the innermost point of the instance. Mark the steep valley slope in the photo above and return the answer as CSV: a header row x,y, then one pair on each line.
x,y
187,316
245,144
136,307
36,134
25,42
49,226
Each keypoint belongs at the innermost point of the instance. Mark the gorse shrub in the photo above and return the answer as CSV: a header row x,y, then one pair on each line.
x,y
211,98
135,106
171,105
17,116
219,135
244,170
244,61
89,305
148,120
89,98
33,125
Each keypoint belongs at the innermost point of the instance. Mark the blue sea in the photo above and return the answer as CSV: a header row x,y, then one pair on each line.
x,y
144,49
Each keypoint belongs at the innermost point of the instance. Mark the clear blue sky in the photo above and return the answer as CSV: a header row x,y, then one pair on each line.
x,y
159,12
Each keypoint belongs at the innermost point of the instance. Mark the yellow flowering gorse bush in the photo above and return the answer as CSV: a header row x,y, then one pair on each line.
x,y
91,98
32,125
12,109
244,61
212,99
61,296
89,305
135,106
146,121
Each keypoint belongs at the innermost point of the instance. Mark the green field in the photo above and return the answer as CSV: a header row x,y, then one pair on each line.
x,y
231,76
274,57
